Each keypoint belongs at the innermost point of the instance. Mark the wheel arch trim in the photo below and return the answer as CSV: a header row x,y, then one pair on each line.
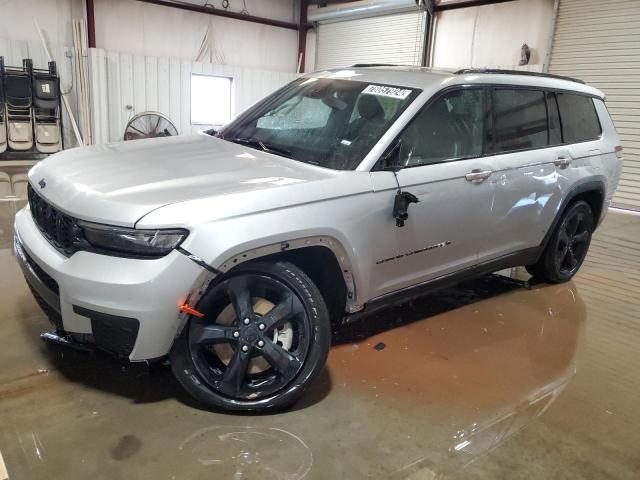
x,y
591,184
326,241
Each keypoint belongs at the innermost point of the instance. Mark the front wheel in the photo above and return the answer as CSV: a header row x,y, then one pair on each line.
x,y
567,247
264,336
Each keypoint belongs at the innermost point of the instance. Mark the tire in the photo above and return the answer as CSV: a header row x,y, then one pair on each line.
x,y
567,247
284,325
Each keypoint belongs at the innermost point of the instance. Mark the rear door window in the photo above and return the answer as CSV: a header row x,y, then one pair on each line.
x,y
578,117
520,120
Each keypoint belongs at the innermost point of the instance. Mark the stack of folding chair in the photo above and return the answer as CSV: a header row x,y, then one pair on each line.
x,y
46,109
18,95
3,110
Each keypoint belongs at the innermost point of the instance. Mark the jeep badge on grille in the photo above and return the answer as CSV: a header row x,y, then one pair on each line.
x,y
42,183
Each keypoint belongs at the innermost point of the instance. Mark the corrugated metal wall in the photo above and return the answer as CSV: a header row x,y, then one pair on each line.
x,y
14,51
120,80
396,39
599,42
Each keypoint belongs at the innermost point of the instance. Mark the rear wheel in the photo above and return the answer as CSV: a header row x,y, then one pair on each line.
x,y
567,247
264,336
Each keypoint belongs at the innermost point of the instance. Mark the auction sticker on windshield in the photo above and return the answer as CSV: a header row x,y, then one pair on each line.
x,y
385,91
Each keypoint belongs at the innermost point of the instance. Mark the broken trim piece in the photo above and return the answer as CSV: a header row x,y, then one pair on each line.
x,y
317,241
199,261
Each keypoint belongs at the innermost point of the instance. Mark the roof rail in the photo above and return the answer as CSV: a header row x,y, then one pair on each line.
x,y
365,65
465,71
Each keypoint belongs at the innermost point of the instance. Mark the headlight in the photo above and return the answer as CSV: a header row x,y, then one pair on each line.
x,y
130,241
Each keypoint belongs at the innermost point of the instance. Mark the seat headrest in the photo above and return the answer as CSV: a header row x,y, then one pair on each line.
x,y
369,107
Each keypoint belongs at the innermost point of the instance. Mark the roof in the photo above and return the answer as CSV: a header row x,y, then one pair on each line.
x,y
429,79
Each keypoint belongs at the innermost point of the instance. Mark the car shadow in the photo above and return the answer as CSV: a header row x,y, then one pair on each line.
x,y
425,306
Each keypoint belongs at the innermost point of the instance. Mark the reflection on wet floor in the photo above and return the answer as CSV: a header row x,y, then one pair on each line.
x,y
477,381
9,206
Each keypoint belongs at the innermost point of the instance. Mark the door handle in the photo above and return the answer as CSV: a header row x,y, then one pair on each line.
x,y
562,162
478,176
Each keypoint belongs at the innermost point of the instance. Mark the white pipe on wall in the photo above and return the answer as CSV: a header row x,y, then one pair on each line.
x,y
64,97
361,9
552,31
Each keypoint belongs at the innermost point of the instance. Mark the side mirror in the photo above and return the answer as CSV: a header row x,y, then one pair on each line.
x,y
401,206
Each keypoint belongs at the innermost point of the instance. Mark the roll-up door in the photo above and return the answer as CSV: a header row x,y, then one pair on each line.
x,y
599,42
397,39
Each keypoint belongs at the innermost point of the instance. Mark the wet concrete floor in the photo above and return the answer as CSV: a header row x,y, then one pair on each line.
x,y
493,379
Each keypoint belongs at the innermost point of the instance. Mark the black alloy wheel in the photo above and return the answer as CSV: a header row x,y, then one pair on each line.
x,y
568,245
264,335
573,242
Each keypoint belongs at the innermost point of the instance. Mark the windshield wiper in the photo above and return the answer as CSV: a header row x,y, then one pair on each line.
x,y
264,146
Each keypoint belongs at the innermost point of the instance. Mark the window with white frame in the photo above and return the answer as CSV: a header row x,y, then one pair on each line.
x,y
210,99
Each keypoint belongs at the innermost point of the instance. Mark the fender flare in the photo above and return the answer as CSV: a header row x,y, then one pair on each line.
x,y
326,241
596,184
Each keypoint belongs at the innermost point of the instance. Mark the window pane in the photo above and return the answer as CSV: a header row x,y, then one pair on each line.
x,y
449,128
579,118
210,99
555,133
520,119
297,113
323,121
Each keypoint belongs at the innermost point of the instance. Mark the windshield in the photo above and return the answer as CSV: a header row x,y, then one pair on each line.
x,y
327,122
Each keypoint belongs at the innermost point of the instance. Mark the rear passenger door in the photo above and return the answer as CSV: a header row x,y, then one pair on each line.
x,y
534,176
526,156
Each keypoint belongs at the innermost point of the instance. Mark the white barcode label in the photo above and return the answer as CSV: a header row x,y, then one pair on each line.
x,y
386,91
46,88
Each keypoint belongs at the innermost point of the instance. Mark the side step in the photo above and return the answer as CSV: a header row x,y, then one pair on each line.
x,y
64,339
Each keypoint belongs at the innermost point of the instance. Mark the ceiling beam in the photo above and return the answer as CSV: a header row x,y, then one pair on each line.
x,y
466,4
223,13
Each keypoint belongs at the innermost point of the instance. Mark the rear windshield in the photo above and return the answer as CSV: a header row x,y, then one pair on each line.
x,y
333,123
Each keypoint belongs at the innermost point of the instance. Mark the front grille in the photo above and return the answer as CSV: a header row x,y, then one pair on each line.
x,y
59,228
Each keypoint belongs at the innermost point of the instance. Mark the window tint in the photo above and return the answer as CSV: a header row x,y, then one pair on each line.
x,y
449,128
579,118
555,132
520,119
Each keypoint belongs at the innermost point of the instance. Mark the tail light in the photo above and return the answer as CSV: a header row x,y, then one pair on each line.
x,y
619,152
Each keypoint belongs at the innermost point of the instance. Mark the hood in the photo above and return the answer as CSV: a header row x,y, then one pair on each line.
x,y
121,182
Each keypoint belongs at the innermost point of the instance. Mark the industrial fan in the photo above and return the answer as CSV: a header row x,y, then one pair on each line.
x,y
149,125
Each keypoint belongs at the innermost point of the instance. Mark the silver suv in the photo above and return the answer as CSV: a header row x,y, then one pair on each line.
x,y
235,252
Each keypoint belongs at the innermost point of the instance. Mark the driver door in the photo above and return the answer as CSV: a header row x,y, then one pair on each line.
x,y
441,163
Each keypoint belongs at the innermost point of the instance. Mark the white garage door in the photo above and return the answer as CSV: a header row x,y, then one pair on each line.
x,y
396,39
599,42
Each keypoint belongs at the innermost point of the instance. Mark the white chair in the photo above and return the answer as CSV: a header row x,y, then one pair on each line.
x,y
17,86
19,182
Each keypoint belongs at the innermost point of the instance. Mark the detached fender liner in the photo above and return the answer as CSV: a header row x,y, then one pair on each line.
x,y
111,333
